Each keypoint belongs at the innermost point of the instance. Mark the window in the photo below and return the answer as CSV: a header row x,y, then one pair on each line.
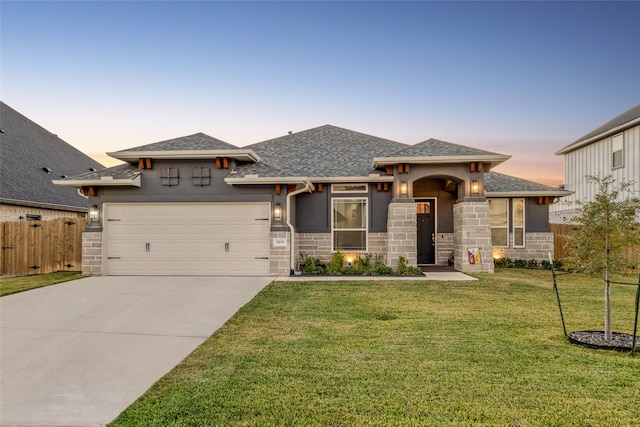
x,y
169,176
499,220
349,224
201,176
348,188
518,223
617,150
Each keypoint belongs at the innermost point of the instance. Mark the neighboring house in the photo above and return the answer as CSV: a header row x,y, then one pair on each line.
x,y
198,205
611,149
30,157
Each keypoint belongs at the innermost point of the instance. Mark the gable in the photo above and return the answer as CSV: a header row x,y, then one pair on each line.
x,y
629,118
27,148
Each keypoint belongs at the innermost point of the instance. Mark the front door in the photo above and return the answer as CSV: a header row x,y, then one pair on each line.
x,y
426,232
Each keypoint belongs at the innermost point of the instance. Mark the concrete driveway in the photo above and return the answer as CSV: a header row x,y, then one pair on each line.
x,y
79,353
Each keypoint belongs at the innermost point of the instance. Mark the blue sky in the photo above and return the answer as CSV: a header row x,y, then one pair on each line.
x,y
520,78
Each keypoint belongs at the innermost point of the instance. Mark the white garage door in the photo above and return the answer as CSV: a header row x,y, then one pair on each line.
x,y
187,239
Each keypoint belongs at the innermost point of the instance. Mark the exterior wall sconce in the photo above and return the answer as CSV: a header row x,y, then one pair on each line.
x,y
277,212
94,213
475,188
404,189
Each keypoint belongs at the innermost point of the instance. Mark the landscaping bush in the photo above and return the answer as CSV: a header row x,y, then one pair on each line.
x,y
507,262
312,266
334,266
379,269
502,262
406,270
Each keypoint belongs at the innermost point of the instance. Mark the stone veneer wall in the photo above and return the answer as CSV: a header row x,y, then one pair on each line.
x,y
92,253
279,257
538,246
446,245
401,233
472,230
318,245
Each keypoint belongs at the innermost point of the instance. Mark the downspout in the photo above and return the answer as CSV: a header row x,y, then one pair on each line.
x,y
308,187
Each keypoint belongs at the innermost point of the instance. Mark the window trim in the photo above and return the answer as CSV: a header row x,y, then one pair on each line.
x,y
505,227
365,229
524,223
335,190
614,144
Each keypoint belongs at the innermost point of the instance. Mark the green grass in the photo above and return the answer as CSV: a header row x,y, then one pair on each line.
x,y
12,285
488,352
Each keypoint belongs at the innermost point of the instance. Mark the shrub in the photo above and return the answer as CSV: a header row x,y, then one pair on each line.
x,y
335,265
520,263
406,270
557,264
402,266
350,270
363,265
312,266
379,269
502,262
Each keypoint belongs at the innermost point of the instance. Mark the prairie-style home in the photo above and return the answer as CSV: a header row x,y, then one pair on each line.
x,y
197,205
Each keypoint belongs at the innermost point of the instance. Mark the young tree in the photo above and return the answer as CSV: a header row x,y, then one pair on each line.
x,y
607,227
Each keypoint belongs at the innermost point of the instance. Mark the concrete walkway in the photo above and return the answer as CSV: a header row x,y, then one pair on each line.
x,y
79,353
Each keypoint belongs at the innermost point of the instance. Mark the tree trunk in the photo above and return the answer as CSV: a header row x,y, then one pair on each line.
x,y
607,309
607,289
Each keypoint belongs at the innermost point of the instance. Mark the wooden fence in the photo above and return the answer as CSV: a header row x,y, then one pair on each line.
x,y
560,233
35,247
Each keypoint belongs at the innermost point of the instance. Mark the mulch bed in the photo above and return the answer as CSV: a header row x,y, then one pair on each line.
x,y
595,339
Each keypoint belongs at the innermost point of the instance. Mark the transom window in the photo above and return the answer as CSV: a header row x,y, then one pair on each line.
x,y
349,188
499,220
349,224
617,151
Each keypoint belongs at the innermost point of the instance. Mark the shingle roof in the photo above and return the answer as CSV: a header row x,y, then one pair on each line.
x,y
495,182
26,148
328,152
325,151
124,171
626,117
437,148
197,141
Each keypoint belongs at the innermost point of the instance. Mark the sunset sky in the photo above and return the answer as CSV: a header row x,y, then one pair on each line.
x,y
519,78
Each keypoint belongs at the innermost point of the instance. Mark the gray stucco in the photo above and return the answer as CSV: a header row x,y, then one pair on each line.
x,y
313,210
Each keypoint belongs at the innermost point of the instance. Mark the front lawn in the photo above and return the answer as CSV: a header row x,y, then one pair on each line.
x,y
488,352
12,285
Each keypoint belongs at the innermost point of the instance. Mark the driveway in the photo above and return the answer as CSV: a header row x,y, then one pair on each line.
x,y
80,352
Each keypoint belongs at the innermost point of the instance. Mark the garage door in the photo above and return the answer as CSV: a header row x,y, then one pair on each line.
x,y
187,239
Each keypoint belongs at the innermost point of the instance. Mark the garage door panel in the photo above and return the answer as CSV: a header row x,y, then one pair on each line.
x,y
187,239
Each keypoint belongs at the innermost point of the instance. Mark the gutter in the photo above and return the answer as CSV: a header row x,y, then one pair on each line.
x,y
308,187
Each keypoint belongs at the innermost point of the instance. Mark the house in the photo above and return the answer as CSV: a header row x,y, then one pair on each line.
x,y
30,158
611,149
197,205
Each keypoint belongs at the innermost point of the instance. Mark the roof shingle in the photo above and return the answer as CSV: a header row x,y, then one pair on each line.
x,y
27,148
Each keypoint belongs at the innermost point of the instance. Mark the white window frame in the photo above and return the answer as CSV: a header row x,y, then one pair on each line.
x,y
506,227
335,188
523,226
365,229
617,148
